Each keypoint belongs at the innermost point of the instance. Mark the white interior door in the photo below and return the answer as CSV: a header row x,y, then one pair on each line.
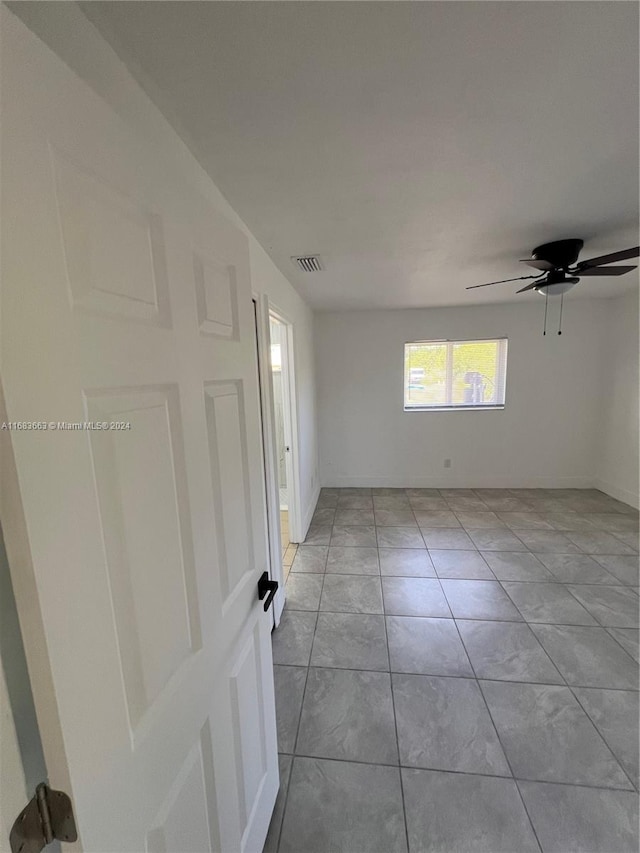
x,y
126,300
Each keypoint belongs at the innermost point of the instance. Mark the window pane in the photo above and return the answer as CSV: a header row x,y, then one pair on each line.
x,y
465,374
425,374
475,371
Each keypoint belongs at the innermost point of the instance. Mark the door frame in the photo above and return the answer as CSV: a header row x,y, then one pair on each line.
x,y
265,309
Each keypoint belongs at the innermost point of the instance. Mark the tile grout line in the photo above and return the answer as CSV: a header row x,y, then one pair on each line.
x,y
395,718
295,742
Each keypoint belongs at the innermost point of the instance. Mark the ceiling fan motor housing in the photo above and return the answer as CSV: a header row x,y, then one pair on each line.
x,y
560,253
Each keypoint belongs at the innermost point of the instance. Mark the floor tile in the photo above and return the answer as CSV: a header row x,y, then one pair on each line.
x,y
547,541
353,517
524,521
327,501
414,597
443,724
568,521
349,501
449,812
273,836
466,504
612,606
348,715
496,540
582,820
323,516
576,568
390,502
588,657
470,520
628,639
599,542
437,518
615,714
630,539
346,535
548,737
341,807
350,641
479,600
516,566
614,522
310,558
547,602
303,591
318,535
428,504
426,646
458,493
423,493
351,594
624,568
289,690
293,637
507,651
388,492
504,504
395,518
447,539
399,537
406,562
454,563
352,561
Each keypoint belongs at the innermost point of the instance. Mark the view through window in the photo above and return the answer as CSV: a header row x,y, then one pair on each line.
x,y
455,374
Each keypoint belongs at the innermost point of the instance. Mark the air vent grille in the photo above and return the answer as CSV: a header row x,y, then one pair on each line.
x,y
308,263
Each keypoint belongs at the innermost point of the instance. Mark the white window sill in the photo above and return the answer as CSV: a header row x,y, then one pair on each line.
x,y
453,408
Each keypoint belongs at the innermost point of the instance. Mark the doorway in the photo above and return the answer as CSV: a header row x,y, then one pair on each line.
x,y
280,370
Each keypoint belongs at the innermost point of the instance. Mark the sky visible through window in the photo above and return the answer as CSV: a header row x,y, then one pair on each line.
x,y
455,374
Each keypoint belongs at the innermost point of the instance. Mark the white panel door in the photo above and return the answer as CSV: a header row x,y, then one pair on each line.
x,y
126,300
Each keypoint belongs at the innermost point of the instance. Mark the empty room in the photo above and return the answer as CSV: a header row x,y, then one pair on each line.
x,y
319,426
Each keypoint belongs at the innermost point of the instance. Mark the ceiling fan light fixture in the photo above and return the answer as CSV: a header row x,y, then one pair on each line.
x,y
557,288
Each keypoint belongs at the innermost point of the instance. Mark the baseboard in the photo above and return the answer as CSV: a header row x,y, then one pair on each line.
x,y
461,481
620,494
306,521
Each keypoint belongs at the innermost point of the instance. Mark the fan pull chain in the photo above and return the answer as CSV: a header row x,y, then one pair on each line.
x,y
546,302
560,321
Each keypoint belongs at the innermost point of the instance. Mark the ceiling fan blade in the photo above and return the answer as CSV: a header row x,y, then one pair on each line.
x,y
502,281
528,287
605,270
545,266
624,255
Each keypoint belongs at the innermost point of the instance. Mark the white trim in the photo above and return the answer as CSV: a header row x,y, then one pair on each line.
x,y
620,494
310,510
461,481
291,423
272,492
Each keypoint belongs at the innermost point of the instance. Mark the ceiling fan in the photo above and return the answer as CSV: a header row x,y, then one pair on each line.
x,y
560,270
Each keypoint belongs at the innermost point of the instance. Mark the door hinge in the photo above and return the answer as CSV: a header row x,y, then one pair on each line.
x,y
47,816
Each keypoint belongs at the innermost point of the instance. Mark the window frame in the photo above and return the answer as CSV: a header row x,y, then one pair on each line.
x,y
503,348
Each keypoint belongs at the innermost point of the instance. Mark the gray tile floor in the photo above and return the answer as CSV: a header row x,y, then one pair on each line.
x,y
457,670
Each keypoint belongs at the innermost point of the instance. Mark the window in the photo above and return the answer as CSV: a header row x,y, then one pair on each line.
x,y
455,374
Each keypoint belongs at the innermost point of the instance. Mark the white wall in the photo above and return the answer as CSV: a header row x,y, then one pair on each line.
x,y
66,31
547,435
617,471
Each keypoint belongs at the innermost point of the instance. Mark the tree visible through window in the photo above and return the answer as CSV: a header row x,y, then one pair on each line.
x,y
455,374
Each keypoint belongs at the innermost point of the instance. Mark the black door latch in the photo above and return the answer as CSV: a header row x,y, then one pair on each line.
x,y
267,586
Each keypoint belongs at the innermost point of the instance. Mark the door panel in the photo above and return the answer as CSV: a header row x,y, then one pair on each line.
x,y
127,299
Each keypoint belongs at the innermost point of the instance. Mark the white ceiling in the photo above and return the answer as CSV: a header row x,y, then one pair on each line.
x,y
418,147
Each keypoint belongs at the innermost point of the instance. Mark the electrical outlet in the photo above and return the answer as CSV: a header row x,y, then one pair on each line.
x,y
447,463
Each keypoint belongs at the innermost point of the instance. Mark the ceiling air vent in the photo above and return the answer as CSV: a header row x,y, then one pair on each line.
x,y
308,263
